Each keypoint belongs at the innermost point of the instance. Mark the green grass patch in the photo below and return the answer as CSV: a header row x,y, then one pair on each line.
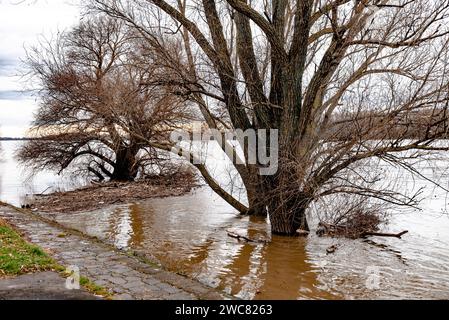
x,y
18,256
94,288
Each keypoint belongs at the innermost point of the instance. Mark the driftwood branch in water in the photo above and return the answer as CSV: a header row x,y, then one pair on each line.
x,y
336,230
240,237
382,234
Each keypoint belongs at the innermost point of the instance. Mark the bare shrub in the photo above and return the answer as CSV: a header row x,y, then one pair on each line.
x,y
350,216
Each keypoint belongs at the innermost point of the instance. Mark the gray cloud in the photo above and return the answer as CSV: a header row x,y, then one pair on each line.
x,y
21,25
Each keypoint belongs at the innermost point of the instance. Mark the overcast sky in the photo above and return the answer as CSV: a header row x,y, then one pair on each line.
x,y
22,23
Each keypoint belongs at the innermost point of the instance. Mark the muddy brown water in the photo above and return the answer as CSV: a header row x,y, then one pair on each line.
x,y
188,234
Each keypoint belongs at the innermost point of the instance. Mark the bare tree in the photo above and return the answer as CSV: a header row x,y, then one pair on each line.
x,y
92,96
298,67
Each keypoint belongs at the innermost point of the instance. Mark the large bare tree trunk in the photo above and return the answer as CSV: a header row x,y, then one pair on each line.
x,y
257,205
288,215
255,191
287,201
124,168
278,197
308,64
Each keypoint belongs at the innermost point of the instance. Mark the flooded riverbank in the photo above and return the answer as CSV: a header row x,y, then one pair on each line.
x,y
188,234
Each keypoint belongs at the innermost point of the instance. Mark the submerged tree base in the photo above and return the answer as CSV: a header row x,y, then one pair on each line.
x,y
108,193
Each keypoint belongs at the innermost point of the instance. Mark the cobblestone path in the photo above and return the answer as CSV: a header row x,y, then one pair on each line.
x,y
124,275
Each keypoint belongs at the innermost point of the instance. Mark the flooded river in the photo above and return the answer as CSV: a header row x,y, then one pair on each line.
x,y
16,182
188,235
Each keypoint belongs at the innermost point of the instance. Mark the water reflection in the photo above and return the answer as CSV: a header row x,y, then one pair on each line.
x,y
125,226
188,235
184,243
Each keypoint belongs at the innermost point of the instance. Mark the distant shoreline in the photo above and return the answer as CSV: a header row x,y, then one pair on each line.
x,y
16,139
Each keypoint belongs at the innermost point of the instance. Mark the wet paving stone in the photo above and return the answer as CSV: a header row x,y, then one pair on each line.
x,y
127,276
123,296
41,286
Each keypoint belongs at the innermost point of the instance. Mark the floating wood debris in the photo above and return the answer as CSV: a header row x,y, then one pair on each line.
x,y
241,237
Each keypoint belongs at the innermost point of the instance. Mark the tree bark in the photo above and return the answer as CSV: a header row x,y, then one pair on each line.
x,y
287,202
287,216
255,192
124,168
257,205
